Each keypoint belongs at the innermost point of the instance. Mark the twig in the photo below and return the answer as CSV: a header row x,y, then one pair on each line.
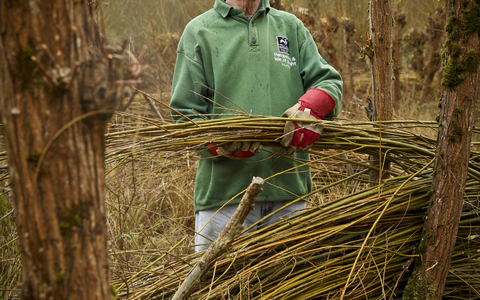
x,y
223,241
367,49
6,216
147,95
44,71
399,277
434,265
153,107
11,241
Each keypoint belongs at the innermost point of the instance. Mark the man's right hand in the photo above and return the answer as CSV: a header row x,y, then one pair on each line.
x,y
237,150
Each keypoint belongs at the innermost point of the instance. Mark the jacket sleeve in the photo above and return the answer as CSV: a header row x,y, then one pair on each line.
x,y
317,73
189,92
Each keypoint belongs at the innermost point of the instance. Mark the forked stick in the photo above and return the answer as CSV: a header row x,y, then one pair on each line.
x,y
223,241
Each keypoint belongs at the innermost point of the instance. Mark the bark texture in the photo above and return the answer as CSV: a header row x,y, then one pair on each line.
x,y
56,94
381,23
460,83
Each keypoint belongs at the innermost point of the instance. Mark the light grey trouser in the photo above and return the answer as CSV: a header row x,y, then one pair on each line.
x,y
219,221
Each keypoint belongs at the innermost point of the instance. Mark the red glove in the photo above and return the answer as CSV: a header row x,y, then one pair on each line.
x,y
313,105
237,150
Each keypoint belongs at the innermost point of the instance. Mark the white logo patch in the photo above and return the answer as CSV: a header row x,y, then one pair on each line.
x,y
283,44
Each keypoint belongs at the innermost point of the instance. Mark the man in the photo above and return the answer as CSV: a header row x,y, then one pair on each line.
x,y
266,62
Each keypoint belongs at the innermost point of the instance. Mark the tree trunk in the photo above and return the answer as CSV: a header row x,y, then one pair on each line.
x,y
460,83
381,20
400,22
436,25
417,39
55,100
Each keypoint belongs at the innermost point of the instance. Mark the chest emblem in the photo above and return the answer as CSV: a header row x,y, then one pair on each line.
x,y
283,44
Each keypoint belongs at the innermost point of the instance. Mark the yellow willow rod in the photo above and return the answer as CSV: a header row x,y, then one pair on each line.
x,y
375,224
466,282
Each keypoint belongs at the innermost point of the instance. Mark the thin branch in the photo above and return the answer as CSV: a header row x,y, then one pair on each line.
x,y
223,241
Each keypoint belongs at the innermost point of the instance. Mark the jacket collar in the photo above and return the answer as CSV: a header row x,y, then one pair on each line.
x,y
224,9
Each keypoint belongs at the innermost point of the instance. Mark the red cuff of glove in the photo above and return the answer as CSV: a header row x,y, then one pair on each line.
x,y
320,104
241,154
318,101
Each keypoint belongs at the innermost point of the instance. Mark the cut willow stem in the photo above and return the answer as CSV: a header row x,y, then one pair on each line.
x,y
153,107
375,224
223,241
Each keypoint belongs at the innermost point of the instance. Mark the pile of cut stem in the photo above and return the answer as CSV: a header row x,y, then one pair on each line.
x,y
312,254
405,149
364,242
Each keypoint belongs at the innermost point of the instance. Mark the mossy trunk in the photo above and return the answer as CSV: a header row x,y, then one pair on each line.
x,y
55,100
381,23
460,84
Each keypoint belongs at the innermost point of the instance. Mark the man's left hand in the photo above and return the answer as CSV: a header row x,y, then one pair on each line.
x,y
300,136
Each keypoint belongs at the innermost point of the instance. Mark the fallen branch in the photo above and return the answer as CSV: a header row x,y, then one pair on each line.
x,y
223,241
154,108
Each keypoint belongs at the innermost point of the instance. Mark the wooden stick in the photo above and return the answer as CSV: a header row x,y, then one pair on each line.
x,y
153,107
223,241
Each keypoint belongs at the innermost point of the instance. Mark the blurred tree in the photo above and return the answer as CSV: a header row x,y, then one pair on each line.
x,y
435,32
329,26
460,83
416,40
400,22
381,24
58,88
348,32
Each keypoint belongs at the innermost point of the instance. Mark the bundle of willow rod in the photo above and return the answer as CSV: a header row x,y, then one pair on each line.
x,y
363,243
314,254
405,149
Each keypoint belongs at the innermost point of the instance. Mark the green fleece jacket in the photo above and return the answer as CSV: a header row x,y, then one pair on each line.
x,y
264,65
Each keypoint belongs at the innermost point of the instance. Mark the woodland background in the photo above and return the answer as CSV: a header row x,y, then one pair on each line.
x,y
150,196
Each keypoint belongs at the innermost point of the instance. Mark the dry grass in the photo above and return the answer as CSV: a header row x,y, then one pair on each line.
x,y
10,265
